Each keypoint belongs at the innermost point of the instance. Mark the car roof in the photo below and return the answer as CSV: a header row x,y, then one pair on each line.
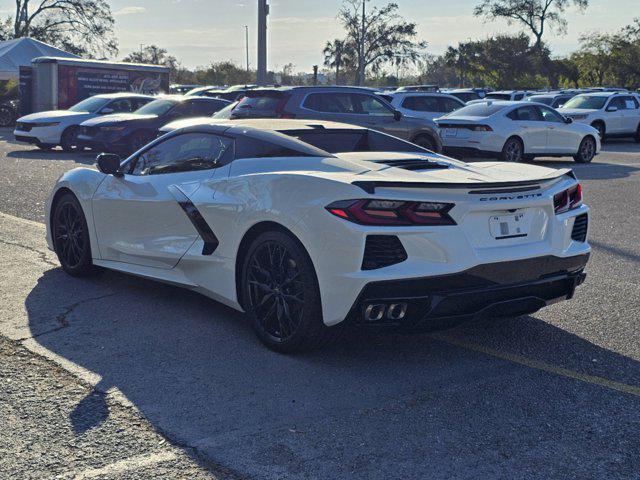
x,y
184,98
123,94
421,94
312,88
274,124
602,94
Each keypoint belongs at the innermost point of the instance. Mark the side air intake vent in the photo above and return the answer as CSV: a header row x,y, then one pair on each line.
x,y
414,164
579,232
382,251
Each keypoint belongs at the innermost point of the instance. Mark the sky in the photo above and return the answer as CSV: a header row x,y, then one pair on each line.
x,y
199,32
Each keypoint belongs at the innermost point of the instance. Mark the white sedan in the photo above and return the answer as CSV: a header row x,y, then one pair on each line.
x,y
305,225
517,131
60,127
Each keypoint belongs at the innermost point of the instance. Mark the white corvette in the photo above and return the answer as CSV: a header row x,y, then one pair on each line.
x,y
309,225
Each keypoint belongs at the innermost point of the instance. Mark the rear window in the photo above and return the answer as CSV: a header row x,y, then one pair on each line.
x,y
259,103
498,96
260,144
477,110
545,100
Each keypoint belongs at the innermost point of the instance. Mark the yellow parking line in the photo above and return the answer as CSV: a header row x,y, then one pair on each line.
x,y
527,362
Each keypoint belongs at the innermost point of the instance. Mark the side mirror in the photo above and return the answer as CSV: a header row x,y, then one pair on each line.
x,y
568,120
397,115
106,111
109,164
612,108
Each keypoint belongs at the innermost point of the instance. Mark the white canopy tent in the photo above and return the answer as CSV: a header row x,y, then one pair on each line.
x,y
19,53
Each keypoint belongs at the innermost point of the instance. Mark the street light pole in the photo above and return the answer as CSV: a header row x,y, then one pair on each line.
x,y
246,43
263,11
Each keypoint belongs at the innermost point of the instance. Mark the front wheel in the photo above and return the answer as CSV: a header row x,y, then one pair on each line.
x,y
71,237
586,151
280,294
69,139
513,150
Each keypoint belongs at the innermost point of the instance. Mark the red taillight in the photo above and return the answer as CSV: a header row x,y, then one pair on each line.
x,y
568,199
392,212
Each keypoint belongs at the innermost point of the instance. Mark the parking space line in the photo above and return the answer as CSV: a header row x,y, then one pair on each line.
x,y
528,362
131,463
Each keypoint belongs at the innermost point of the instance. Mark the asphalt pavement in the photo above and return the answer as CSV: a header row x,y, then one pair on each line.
x,y
119,377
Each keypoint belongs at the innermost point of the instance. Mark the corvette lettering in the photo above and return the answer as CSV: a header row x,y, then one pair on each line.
x,y
524,196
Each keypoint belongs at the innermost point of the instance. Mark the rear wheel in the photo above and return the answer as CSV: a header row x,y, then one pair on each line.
x,y
280,294
513,150
425,141
69,139
586,151
71,237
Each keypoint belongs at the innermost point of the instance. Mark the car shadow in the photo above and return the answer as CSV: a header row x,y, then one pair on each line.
x,y
84,158
369,406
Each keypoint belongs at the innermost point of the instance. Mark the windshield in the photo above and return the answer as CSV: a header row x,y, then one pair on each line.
x,y
157,107
476,110
586,102
92,104
356,140
545,100
497,96
225,113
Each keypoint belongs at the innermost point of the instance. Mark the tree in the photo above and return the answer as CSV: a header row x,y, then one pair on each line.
x,y
79,26
378,36
156,55
336,55
534,15
224,73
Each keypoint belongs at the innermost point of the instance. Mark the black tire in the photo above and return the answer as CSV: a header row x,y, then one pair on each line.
x,y
7,116
513,150
586,150
69,140
529,158
137,141
425,141
71,237
279,291
602,130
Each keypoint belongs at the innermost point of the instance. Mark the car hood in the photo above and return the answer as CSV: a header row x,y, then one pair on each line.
x,y
54,115
116,118
576,111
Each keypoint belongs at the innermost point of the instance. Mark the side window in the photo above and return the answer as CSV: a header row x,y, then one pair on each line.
x,y
182,153
329,103
136,103
121,105
551,116
448,105
205,108
518,96
421,104
526,114
618,102
628,103
370,105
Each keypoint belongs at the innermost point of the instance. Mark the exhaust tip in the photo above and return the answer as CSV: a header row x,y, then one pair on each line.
x,y
374,312
397,311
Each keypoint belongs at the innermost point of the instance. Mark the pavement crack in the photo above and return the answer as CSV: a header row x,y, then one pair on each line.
x,y
61,318
41,255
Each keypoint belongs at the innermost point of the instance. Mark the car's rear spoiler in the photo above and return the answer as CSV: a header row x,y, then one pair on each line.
x,y
370,186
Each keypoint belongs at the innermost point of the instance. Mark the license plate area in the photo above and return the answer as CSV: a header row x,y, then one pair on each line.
x,y
510,225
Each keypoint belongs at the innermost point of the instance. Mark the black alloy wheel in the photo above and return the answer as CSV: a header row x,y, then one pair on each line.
x,y
425,141
281,296
69,139
513,151
586,151
71,237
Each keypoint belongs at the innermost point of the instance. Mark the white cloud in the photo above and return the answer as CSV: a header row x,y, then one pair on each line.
x,y
130,11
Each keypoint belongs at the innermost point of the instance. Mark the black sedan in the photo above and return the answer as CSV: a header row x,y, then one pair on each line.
x,y
125,133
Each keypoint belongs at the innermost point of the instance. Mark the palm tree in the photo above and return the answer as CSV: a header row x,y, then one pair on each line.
x,y
336,55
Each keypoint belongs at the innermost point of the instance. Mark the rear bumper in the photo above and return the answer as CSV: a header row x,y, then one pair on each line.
x,y
490,290
470,151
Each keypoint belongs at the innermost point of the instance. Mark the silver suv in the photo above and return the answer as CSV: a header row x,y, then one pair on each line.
x,y
357,106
